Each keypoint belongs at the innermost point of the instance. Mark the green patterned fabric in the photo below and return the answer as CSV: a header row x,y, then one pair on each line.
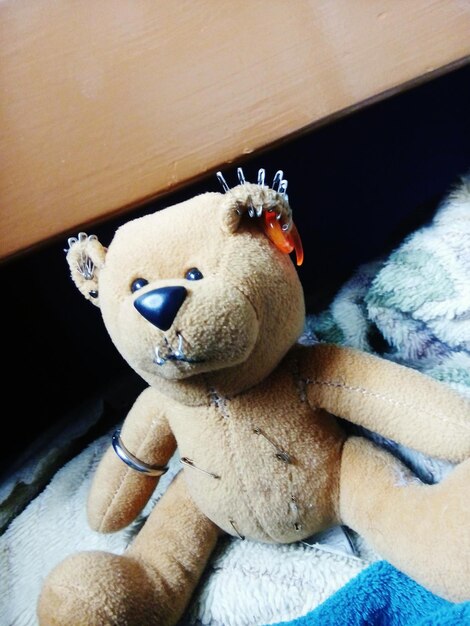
x,y
414,306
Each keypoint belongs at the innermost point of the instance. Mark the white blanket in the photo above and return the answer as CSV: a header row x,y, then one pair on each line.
x,y
246,583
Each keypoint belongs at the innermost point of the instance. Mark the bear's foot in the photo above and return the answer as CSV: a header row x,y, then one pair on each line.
x,y
150,585
102,589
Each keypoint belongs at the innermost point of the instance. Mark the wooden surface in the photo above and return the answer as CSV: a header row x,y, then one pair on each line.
x,y
107,104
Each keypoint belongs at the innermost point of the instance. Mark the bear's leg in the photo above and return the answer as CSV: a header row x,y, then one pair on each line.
x,y
150,585
424,530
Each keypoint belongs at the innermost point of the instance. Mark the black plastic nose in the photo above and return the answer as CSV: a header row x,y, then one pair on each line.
x,y
160,306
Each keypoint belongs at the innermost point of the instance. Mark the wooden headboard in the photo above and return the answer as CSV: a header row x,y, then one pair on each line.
x,y
106,105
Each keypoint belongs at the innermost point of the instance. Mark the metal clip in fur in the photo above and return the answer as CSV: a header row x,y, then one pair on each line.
x,y
281,454
190,463
237,532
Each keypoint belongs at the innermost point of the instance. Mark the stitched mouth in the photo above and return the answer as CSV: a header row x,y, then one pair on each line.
x,y
182,359
178,354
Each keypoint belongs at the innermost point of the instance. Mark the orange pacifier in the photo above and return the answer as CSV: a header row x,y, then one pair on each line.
x,y
285,241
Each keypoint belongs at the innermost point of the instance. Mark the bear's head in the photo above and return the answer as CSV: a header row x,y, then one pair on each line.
x,y
197,294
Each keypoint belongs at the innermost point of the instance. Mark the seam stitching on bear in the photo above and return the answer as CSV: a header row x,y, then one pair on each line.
x,y
150,431
299,381
240,290
220,402
393,401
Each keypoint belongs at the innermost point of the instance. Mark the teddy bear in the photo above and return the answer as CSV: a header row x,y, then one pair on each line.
x,y
204,302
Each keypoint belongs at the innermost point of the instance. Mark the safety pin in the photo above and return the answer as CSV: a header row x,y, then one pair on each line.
x,y
278,176
281,454
282,187
232,523
295,509
190,463
222,181
178,353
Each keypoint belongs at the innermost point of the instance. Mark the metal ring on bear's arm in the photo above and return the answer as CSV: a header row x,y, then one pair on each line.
x,y
132,461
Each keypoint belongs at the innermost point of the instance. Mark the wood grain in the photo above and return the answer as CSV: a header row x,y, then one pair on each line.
x,y
107,104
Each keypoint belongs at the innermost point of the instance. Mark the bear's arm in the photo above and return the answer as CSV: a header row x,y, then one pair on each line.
x,y
118,492
390,399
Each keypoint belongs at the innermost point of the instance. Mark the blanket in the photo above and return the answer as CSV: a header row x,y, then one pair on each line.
x,y
383,595
246,583
412,307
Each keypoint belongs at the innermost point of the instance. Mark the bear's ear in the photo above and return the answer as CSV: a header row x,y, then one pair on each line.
x,y
254,200
268,206
85,256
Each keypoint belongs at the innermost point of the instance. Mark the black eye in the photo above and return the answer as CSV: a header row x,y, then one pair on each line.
x,y
138,283
193,274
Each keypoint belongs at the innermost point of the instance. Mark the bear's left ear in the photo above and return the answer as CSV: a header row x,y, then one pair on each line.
x,y
254,199
86,256
269,206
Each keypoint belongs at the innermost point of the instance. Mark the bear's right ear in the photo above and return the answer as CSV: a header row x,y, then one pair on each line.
x,y
268,205
85,256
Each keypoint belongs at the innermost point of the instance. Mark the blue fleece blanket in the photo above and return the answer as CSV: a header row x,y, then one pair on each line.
x,y
382,596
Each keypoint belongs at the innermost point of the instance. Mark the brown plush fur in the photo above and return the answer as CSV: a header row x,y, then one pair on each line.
x,y
255,411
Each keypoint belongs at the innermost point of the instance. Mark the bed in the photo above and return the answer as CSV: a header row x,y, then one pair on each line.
x,y
112,109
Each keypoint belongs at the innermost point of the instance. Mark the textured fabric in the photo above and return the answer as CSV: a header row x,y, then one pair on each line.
x,y
382,595
418,299
246,583
412,307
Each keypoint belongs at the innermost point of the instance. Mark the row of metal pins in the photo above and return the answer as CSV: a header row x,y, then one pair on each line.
x,y
281,454
279,183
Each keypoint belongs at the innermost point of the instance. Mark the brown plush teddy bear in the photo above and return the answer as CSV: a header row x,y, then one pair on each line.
x,y
204,302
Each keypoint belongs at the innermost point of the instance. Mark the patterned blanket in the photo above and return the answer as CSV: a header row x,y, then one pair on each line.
x,y
413,307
